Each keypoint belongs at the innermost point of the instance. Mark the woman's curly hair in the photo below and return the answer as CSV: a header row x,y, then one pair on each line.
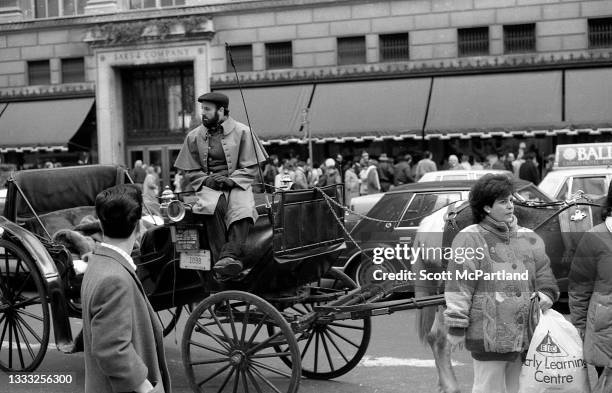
x,y
486,191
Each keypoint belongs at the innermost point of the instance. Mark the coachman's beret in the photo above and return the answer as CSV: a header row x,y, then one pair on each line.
x,y
218,98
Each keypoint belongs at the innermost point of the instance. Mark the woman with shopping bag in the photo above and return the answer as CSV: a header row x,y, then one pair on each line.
x,y
590,295
490,312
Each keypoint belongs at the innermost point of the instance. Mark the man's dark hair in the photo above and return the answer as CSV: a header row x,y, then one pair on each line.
x,y
119,208
486,191
427,154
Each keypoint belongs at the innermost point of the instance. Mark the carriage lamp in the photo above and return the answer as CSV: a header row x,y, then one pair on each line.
x,y
171,208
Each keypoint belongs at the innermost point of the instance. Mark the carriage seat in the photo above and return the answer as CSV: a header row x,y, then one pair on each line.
x,y
67,191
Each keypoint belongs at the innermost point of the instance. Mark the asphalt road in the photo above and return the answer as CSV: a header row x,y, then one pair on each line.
x,y
395,362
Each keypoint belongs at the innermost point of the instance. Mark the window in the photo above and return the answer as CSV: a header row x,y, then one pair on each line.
x,y
600,33
73,70
594,187
243,58
279,55
158,100
519,38
53,8
473,41
8,3
140,4
39,72
394,47
351,50
425,204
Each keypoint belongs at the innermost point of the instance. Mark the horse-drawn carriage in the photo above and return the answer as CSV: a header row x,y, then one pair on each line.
x,y
240,334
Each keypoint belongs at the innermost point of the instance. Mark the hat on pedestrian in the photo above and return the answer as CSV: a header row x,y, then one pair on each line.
x,y
219,99
383,157
330,163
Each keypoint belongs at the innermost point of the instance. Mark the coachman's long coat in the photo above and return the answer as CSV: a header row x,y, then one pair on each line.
x,y
243,151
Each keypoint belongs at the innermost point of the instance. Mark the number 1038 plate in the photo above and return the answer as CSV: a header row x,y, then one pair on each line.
x,y
195,260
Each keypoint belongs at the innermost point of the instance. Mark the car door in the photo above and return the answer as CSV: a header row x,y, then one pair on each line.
x,y
421,205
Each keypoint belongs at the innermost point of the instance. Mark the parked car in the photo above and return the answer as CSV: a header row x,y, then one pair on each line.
x,y
563,183
401,210
459,174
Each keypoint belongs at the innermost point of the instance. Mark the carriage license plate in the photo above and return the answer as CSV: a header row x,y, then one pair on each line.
x,y
198,260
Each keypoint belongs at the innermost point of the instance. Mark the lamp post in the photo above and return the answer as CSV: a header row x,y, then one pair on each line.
x,y
306,122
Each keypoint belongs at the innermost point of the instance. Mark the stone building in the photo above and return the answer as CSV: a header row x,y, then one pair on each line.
x,y
114,81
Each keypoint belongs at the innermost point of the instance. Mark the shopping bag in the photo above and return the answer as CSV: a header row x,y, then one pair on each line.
x,y
554,362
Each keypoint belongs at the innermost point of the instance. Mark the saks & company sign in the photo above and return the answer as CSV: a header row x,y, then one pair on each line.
x,y
587,154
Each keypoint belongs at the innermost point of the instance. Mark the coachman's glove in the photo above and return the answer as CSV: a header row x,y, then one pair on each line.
x,y
223,182
210,182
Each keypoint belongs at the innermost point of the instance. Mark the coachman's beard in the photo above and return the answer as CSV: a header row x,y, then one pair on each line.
x,y
210,123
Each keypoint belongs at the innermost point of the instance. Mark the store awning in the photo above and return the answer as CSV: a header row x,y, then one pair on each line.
x,y
275,112
42,125
496,104
369,110
588,95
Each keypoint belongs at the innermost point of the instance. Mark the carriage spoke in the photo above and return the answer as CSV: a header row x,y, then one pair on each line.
x,y
28,302
25,339
333,331
29,314
257,329
236,380
307,345
209,348
265,343
10,343
245,382
27,326
261,376
220,326
270,355
211,361
329,337
316,352
227,378
271,369
18,345
253,381
343,325
6,323
219,371
212,335
329,360
232,323
245,324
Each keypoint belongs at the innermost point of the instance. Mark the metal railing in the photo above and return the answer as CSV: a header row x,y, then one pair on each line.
x,y
394,47
279,55
351,50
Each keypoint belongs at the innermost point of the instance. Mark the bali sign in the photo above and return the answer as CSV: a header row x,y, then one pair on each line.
x,y
587,154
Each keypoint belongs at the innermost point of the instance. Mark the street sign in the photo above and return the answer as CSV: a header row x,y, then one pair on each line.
x,y
584,154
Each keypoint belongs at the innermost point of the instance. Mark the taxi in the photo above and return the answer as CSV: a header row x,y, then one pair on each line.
x,y
580,167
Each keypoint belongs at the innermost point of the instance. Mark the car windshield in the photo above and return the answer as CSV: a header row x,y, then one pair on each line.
x,y
424,204
551,183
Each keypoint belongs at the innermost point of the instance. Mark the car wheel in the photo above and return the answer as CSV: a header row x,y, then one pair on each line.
x,y
364,271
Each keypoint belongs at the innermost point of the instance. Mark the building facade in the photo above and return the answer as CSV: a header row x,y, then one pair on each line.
x,y
113,81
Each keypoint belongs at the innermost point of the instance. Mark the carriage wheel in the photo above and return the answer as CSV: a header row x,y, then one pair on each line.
x,y
24,311
168,318
225,348
329,349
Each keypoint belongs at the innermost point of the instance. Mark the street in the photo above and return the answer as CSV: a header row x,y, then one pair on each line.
x,y
395,362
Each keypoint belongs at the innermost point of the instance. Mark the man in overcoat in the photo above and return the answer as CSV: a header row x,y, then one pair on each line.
x,y
123,341
220,160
